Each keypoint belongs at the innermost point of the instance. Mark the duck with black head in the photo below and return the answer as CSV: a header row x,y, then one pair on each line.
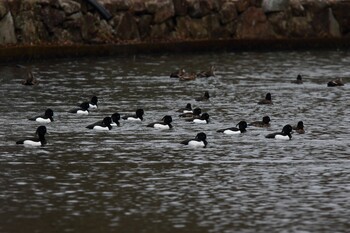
x,y
299,80
164,124
204,97
138,116
199,141
82,110
103,125
38,141
267,100
299,128
47,117
285,134
242,125
264,123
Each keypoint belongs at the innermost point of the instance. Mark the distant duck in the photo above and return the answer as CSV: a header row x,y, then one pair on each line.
x,y
284,135
187,77
105,124
178,73
267,99
208,73
242,125
115,119
299,128
299,80
46,118
30,79
193,115
335,82
82,110
92,103
264,123
205,97
198,141
39,141
203,119
137,117
165,124
187,109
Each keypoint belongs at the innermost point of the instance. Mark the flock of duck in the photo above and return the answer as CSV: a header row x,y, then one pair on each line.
x,y
187,113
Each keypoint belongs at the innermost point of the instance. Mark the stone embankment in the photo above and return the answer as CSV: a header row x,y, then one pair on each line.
x,y
77,22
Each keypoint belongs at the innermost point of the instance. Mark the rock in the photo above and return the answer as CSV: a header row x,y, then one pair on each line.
x,y
341,14
3,9
242,5
144,25
126,27
296,8
180,7
162,10
275,5
138,6
279,23
52,17
69,6
198,8
300,27
113,6
253,24
215,31
162,31
187,27
228,12
7,30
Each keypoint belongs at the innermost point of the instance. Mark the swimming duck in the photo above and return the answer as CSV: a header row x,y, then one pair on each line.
x,y
115,119
92,103
39,141
82,110
198,141
267,99
165,124
335,82
46,118
284,135
264,123
242,125
299,128
105,124
137,117
203,119
207,73
30,79
299,80
187,109
178,73
205,97
187,76
193,115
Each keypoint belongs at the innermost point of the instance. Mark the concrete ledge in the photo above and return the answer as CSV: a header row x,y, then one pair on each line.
x,y
27,53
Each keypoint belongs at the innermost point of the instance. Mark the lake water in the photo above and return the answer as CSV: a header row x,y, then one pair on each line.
x,y
138,179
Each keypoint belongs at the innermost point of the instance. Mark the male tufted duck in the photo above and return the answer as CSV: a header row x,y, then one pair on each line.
x,y
335,82
83,110
46,118
242,125
39,141
165,124
115,119
198,141
205,97
284,135
104,125
137,117
264,123
299,128
267,99
92,103
203,119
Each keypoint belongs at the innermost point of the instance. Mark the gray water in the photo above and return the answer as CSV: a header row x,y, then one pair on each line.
x,y
138,179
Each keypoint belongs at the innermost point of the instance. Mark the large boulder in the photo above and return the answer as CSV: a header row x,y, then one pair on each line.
x,y
7,30
275,5
228,12
126,27
162,10
342,16
253,24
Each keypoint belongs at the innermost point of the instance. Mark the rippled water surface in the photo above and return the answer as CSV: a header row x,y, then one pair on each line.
x,y
138,179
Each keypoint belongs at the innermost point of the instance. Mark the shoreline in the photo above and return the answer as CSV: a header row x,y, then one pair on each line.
x,y
12,53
